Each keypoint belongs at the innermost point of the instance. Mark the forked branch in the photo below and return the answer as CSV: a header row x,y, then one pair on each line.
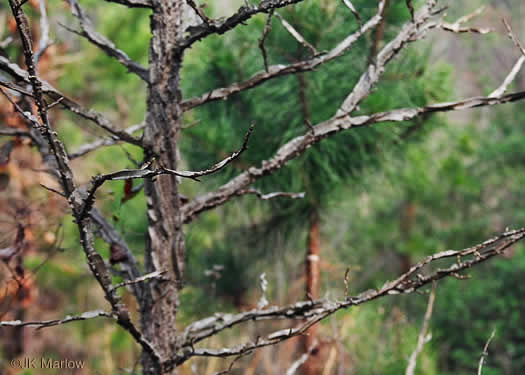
x,y
418,276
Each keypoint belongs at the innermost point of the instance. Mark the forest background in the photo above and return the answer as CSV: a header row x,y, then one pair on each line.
x,y
445,182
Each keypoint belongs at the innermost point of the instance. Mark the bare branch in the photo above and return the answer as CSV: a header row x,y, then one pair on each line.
x,y
133,3
102,142
153,275
485,352
509,79
314,311
43,127
513,37
44,41
276,194
65,177
517,66
7,41
300,144
301,360
296,34
88,198
457,27
244,13
105,44
409,33
199,12
15,87
55,322
350,6
230,367
89,114
266,31
275,71
423,338
14,132
129,264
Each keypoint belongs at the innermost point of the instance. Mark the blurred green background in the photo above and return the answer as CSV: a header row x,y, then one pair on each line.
x,y
385,196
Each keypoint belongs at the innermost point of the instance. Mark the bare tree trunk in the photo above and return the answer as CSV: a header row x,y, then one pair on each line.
x,y
165,248
313,280
379,34
408,214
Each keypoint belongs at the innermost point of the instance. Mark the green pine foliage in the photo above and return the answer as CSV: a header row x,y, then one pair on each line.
x,y
278,110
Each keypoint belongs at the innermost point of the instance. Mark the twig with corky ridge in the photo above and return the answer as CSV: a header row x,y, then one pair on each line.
x,y
65,177
298,145
343,121
410,32
88,198
314,311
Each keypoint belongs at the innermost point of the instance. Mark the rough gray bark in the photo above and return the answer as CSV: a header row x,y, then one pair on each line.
x,y
165,245
172,32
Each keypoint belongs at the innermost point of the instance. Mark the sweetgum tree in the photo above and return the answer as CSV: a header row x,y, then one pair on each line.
x,y
321,135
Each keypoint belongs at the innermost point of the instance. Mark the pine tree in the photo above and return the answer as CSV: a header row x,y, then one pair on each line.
x,y
286,108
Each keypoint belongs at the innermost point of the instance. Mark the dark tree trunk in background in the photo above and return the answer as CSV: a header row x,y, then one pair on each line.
x,y
379,34
408,214
165,246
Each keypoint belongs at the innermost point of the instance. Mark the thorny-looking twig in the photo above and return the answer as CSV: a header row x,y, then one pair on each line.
x,y
312,311
244,13
199,12
457,27
298,145
145,172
